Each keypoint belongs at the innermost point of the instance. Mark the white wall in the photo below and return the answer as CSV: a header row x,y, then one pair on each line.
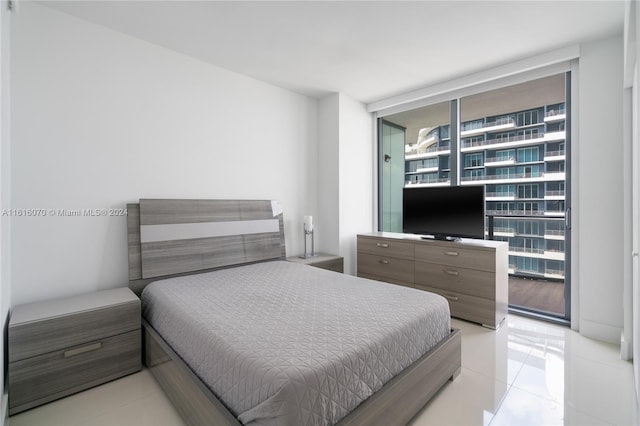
x,y
100,119
357,156
328,229
599,202
345,165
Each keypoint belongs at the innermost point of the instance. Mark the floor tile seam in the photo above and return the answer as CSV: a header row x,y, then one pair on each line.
x,y
105,410
618,364
493,376
87,421
545,397
40,412
499,405
590,415
481,372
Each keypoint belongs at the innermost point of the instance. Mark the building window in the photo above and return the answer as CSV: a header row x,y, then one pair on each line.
x,y
473,160
527,118
528,191
505,155
528,155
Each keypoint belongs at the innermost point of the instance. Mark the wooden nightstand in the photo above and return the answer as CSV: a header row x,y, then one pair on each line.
x,y
323,261
67,345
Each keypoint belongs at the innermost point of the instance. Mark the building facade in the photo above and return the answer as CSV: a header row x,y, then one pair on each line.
x,y
520,157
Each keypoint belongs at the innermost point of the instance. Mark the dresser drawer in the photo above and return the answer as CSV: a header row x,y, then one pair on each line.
x,y
386,247
467,307
454,278
386,280
483,260
32,338
387,267
43,378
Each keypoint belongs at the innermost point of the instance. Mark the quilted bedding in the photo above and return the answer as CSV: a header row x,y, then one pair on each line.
x,y
281,343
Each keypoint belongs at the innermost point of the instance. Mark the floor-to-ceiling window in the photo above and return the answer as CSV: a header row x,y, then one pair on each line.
x,y
513,140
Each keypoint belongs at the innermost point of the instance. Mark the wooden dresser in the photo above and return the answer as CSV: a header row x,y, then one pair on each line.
x,y
471,274
66,345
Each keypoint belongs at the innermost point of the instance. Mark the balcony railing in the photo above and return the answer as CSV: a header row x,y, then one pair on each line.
x,y
554,153
518,138
499,160
427,181
554,112
529,250
499,177
504,230
509,213
414,150
477,126
500,194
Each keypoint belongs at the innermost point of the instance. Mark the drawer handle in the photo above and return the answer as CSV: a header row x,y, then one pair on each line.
x,y
451,253
456,273
383,245
450,297
383,261
82,350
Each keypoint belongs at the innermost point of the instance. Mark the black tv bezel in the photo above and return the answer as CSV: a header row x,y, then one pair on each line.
x,y
435,233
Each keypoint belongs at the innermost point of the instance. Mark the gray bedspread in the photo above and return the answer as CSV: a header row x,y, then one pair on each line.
x,y
281,343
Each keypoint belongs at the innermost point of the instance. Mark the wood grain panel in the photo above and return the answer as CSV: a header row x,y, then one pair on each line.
x,y
466,306
34,338
174,257
386,247
472,274
133,241
166,258
455,255
384,266
159,212
455,278
50,376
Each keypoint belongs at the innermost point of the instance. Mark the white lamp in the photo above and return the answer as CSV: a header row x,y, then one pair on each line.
x,y
308,230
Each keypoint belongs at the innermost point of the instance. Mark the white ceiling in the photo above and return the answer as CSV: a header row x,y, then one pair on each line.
x,y
368,50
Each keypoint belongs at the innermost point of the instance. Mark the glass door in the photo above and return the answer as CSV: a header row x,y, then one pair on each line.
x,y
531,120
516,141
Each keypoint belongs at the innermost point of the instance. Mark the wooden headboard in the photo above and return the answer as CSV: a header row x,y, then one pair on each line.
x,y
177,237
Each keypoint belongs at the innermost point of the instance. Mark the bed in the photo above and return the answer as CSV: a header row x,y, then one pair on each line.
x,y
236,335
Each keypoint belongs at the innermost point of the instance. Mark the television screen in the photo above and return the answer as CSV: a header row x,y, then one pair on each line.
x,y
444,211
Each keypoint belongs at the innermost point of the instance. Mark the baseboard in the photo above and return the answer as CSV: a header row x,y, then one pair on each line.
x,y
603,332
626,348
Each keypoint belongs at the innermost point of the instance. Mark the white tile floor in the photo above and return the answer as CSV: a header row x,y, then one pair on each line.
x,y
526,373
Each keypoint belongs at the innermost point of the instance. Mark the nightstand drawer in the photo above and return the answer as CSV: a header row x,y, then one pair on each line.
x,y
34,338
454,278
383,266
46,377
483,260
385,247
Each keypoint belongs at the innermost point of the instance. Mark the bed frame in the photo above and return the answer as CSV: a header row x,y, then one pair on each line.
x,y
177,237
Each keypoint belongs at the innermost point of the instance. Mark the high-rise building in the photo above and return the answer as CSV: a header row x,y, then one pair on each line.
x,y
520,157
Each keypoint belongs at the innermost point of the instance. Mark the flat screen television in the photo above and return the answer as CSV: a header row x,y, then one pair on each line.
x,y
444,212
